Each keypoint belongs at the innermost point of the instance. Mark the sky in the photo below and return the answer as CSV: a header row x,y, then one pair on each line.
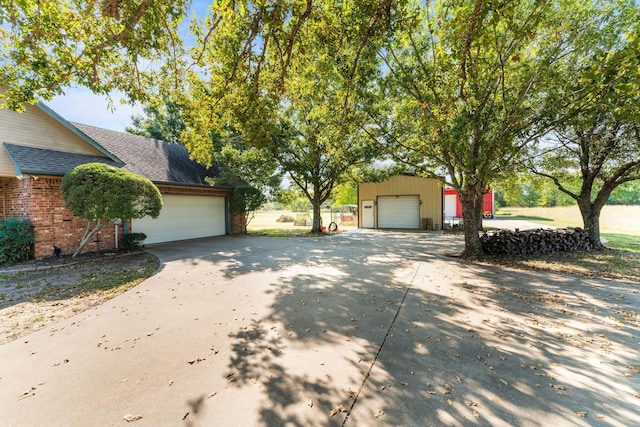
x,y
82,106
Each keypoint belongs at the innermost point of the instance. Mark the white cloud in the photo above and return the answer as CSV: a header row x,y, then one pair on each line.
x,y
83,106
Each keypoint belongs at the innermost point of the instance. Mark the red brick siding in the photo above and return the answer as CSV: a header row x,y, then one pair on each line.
x,y
240,223
15,198
40,201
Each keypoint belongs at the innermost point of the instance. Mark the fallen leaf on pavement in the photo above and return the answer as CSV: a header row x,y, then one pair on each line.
x,y
339,408
447,389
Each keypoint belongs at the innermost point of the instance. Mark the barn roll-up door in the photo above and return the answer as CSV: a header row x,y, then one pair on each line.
x,y
399,212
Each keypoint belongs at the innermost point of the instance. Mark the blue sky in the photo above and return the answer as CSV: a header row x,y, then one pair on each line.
x,y
81,105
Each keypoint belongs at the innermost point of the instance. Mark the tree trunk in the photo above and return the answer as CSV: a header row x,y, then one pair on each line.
x,y
470,212
591,221
316,202
89,232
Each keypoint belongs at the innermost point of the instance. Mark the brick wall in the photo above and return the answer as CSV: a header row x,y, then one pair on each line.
x,y
56,226
40,201
16,202
240,223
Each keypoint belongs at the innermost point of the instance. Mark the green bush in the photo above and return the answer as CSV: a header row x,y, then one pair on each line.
x,y
132,241
16,241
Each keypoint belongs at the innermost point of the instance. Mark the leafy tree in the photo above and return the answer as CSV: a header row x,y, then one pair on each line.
x,y
626,194
464,82
98,193
161,122
292,200
289,76
103,45
527,190
238,162
345,194
599,140
252,170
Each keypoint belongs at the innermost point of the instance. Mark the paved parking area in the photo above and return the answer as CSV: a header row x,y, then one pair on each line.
x,y
364,328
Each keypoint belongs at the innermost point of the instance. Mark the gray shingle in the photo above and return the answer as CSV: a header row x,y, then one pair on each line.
x,y
31,160
159,161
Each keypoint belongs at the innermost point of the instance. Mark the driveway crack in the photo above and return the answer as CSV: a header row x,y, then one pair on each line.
x,y
384,340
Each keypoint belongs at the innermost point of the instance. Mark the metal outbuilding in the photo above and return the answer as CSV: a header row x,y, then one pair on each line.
x,y
402,201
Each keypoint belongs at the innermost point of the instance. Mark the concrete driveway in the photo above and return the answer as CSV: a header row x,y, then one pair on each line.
x,y
365,328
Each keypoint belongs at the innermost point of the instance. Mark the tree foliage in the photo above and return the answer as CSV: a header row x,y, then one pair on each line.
x,y
464,82
289,77
98,193
16,241
239,163
163,122
104,45
246,200
598,138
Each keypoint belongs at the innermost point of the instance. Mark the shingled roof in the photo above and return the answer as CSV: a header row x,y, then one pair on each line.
x,y
159,161
40,161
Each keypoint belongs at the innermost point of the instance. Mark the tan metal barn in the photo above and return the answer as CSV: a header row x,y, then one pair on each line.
x,y
403,201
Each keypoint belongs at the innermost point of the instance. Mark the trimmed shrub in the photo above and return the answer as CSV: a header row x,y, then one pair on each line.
x,y
133,241
16,241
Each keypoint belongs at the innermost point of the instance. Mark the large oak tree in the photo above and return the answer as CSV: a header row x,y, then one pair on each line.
x,y
104,45
464,84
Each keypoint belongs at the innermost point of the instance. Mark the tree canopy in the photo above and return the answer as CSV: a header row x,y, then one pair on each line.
x,y
104,45
289,77
462,86
96,192
595,112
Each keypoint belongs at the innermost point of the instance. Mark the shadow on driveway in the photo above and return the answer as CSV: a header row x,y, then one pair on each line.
x,y
379,328
365,328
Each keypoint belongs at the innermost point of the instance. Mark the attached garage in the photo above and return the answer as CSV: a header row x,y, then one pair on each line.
x,y
403,201
184,217
399,212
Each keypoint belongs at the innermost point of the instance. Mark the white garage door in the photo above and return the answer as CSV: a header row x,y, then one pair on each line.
x,y
184,217
399,212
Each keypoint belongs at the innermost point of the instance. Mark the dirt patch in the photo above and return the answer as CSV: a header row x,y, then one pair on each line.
x,y
39,293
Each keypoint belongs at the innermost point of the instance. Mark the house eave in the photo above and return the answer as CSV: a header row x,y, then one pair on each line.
x,y
191,185
76,131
